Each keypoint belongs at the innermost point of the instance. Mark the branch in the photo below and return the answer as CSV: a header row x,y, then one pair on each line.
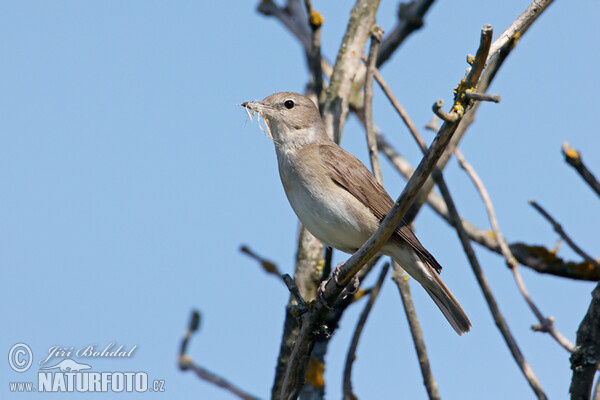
x,y
410,19
584,361
376,34
538,258
499,51
398,275
487,293
520,26
268,266
335,109
314,387
292,17
558,229
186,363
307,275
315,20
546,324
473,77
351,356
573,158
401,279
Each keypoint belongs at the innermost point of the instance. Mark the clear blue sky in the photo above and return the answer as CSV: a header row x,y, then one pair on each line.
x,y
129,179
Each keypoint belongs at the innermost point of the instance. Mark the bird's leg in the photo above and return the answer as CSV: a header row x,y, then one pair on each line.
x,y
349,289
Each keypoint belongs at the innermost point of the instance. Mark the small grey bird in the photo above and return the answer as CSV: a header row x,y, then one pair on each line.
x,y
338,200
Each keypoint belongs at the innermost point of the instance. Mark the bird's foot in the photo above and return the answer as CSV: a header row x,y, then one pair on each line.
x,y
349,289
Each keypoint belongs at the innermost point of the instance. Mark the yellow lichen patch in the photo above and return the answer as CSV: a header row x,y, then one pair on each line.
x,y
572,153
516,37
320,265
359,294
316,19
314,373
406,278
491,234
459,109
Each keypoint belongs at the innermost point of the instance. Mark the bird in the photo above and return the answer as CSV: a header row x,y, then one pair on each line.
x,y
338,200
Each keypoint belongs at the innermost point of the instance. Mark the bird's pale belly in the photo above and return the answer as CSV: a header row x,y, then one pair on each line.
x,y
336,221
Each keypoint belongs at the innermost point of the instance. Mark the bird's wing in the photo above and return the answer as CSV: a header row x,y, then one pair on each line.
x,y
353,176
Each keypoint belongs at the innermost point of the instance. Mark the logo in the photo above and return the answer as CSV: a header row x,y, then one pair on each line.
x,y
68,375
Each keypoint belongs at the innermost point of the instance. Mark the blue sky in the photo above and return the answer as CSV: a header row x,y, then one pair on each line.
x,y
129,178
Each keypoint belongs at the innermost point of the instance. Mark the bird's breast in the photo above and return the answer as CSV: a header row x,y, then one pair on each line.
x,y
328,211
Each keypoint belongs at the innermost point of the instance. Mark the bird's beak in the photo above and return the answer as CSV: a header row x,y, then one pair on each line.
x,y
254,106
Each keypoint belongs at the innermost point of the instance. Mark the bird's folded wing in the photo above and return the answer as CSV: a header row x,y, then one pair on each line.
x,y
353,176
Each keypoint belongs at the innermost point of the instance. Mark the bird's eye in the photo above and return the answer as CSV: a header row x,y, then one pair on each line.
x,y
289,104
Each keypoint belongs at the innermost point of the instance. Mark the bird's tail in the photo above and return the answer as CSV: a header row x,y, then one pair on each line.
x,y
425,274
448,304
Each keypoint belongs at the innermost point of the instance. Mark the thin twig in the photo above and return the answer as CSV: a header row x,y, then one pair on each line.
x,y
573,158
400,110
487,293
494,98
293,288
559,229
457,223
401,279
519,26
268,266
538,258
351,356
546,324
499,51
186,363
437,110
292,17
315,20
398,274
410,19
376,34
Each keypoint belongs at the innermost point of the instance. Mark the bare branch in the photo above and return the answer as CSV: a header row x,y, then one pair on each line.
x,y
573,158
293,288
410,19
315,20
186,363
487,293
401,279
499,51
398,275
292,17
494,98
335,109
520,26
350,357
376,34
546,324
437,110
268,266
558,229
537,258
584,361
307,275
457,223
